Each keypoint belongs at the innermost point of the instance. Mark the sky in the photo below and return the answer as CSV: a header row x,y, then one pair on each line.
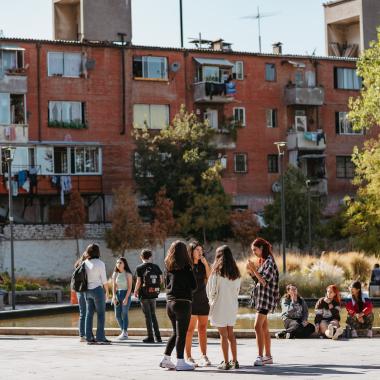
x,y
298,24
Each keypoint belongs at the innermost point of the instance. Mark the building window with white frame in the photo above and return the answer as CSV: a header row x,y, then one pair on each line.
x,y
85,160
239,116
238,70
270,72
271,118
347,79
240,162
66,113
151,116
64,64
149,67
344,125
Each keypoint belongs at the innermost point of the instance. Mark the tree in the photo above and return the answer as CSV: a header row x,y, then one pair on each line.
x,y
296,211
244,226
74,217
128,231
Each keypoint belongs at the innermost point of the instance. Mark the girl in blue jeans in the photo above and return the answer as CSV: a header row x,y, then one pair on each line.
x,y
121,295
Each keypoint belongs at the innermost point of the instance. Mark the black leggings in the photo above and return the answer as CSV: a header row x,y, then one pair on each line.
x,y
179,313
297,329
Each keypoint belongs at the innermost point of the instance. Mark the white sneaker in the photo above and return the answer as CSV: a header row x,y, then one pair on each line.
x,y
330,331
369,333
339,331
267,360
192,362
354,333
205,361
166,362
183,366
122,337
258,362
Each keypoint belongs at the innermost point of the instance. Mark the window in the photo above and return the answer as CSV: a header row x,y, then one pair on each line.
x,y
5,106
138,165
239,116
211,74
240,163
152,116
85,160
212,118
66,112
346,79
271,117
61,164
11,59
12,108
343,125
270,72
272,163
64,64
299,78
344,167
238,70
150,67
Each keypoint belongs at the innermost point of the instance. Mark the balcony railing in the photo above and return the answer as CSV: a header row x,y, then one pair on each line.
x,y
223,141
306,140
14,83
14,133
319,186
213,92
307,96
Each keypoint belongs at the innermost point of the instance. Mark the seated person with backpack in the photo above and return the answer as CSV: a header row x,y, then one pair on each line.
x,y
149,279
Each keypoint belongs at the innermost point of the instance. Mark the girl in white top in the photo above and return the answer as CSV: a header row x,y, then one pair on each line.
x,y
121,295
223,290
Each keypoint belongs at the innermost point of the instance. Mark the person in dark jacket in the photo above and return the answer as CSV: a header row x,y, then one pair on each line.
x,y
295,315
180,284
327,314
359,311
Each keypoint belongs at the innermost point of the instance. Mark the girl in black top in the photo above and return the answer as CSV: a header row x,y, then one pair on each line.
x,y
200,306
180,284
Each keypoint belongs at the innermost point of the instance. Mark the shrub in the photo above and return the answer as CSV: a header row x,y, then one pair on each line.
x,y
361,268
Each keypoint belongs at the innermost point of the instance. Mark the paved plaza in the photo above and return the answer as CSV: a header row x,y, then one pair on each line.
x,y
65,358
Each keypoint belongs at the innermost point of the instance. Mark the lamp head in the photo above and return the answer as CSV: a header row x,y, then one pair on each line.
x,y
280,147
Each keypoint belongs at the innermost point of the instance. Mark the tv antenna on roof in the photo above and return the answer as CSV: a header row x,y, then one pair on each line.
x,y
258,16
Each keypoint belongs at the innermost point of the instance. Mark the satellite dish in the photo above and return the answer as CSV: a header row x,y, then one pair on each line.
x,y
175,66
276,187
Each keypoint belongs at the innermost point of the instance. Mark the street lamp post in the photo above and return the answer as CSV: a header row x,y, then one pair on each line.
x,y
281,152
181,21
308,182
9,160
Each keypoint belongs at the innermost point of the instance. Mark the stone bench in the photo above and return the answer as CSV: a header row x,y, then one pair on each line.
x,y
34,293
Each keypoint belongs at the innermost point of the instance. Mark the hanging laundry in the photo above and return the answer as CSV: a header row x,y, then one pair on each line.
x,y
26,186
22,177
65,183
230,88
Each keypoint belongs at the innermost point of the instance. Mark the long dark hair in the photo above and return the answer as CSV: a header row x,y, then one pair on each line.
x,y
177,256
265,247
192,247
359,300
287,296
93,251
225,264
126,266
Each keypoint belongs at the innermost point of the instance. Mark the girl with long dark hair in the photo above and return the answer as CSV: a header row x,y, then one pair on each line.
x,y
180,284
265,296
359,310
200,307
223,290
121,295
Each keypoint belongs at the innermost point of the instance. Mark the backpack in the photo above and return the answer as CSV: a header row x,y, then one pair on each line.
x,y
151,282
79,279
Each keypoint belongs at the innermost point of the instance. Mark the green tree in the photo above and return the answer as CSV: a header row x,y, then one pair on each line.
x,y
296,211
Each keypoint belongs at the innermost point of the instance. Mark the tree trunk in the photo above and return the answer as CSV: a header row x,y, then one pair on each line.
x,y
204,236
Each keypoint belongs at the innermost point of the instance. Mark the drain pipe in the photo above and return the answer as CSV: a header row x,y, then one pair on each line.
x,y
38,46
122,129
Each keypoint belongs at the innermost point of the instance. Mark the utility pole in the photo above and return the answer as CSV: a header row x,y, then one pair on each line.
x,y
309,214
181,21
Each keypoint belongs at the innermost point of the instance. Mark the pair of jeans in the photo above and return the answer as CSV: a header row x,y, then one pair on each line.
x,y
121,310
95,301
149,309
356,325
82,313
297,330
179,313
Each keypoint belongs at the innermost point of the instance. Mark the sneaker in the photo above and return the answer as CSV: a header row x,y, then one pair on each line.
x,y
234,365
369,333
205,361
82,339
148,340
192,362
258,362
158,340
182,365
338,333
280,335
330,331
288,336
354,333
267,360
92,341
104,342
166,362
122,337
224,366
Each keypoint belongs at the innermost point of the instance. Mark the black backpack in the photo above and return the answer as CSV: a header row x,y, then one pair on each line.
x,y
151,281
79,279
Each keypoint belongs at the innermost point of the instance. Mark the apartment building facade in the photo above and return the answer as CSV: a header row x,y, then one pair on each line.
x,y
70,107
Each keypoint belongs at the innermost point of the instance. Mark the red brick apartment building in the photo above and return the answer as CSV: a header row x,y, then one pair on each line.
x,y
69,108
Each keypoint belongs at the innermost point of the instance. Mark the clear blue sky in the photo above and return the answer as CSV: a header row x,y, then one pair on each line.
x,y
298,24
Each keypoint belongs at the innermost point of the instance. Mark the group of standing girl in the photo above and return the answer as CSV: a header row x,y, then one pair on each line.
x,y
197,293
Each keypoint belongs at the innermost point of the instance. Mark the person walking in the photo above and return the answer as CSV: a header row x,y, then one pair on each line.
x,y
147,289
265,296
327,314
200,306
223,291
96,295
121,295
295,314
180,284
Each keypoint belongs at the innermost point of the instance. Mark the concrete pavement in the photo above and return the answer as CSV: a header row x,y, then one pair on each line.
x,y
64,358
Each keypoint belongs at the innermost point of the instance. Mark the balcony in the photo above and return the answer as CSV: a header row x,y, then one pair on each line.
x,y
213,92
13,83
318,186
223,141
305,96
306,140
13,133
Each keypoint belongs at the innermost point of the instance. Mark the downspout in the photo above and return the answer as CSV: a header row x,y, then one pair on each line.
x,y
315,63
38,46
123,112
